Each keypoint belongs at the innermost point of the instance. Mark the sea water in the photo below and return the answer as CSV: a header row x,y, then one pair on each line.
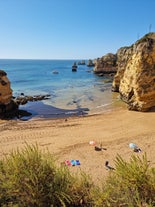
x,y
71,93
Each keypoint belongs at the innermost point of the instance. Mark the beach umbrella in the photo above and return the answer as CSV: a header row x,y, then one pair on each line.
x,y
133,146
92,143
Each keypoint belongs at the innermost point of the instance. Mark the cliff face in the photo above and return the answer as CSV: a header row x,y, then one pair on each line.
x,y
5,90
6,103
135,78
123,55
106,64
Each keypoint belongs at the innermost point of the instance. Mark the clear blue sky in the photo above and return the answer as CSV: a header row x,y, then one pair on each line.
x,y
71,29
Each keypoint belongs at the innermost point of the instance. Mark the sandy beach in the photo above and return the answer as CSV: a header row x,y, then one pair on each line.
x,y
69,138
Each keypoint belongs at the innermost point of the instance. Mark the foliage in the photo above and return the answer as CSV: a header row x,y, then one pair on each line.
x,y
145,38
30,178
131,185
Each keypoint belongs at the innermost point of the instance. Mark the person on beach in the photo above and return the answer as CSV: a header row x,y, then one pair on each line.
x,y
134,147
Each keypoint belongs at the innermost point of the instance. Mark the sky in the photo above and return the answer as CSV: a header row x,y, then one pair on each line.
x,y
71,29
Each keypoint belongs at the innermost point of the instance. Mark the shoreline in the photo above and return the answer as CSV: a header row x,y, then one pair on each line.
x,y
41,110
69,138
72,107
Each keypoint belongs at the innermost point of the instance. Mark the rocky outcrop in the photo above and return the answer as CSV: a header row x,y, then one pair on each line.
x,y
135,78
90,63
22,99
81,62
74,67
123,55
6,102
9,104
106,64
5,90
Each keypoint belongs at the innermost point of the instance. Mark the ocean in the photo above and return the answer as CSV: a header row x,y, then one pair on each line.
x,y
71,93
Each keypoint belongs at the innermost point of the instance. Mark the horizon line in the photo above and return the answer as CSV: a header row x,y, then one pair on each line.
x,y
46,59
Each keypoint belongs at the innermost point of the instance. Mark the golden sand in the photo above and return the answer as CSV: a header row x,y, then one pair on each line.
x,y
69,139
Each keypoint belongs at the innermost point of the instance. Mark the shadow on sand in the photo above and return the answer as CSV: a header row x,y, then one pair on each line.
x,y
40,110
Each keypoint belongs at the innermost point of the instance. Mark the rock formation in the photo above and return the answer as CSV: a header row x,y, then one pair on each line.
x,y
106,64
135,78
90,63
6,102
5,90
122,56
22,99
81,62
74,67
9,104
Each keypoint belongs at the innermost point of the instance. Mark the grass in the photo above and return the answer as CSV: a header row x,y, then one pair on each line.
x,y
131,185
30,178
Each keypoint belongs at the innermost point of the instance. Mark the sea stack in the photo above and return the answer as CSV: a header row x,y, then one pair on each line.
x,y
135,78
74,67
90,63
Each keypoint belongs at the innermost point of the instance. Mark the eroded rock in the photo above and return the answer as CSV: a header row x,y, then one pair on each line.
x,y
135,78
6,103
106,64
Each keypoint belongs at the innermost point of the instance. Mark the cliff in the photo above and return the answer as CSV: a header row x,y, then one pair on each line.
x,y
5,90
106,64
135,77
6,102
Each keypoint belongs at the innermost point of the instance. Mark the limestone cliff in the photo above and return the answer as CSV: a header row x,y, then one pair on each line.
x,y
6,102
5,90
122,57
135,78
105,64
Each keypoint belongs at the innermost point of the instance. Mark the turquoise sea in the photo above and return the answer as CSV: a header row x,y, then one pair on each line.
x,y
71,93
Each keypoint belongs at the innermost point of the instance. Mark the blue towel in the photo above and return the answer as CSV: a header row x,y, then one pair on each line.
x,y
73,162
77,162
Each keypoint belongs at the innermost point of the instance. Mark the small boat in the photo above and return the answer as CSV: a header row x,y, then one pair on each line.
x,y
89,71
55,72
74,67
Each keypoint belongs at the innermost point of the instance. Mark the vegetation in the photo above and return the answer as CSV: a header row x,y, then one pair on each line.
x,y
30,178
131,185
145,37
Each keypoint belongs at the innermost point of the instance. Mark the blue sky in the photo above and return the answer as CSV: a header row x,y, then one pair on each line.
x,y
71,29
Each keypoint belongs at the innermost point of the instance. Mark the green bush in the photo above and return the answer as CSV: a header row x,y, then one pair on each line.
x,y
31,178
130,185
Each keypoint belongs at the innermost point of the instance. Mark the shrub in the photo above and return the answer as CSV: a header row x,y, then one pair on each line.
x,y
132,184
31,178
